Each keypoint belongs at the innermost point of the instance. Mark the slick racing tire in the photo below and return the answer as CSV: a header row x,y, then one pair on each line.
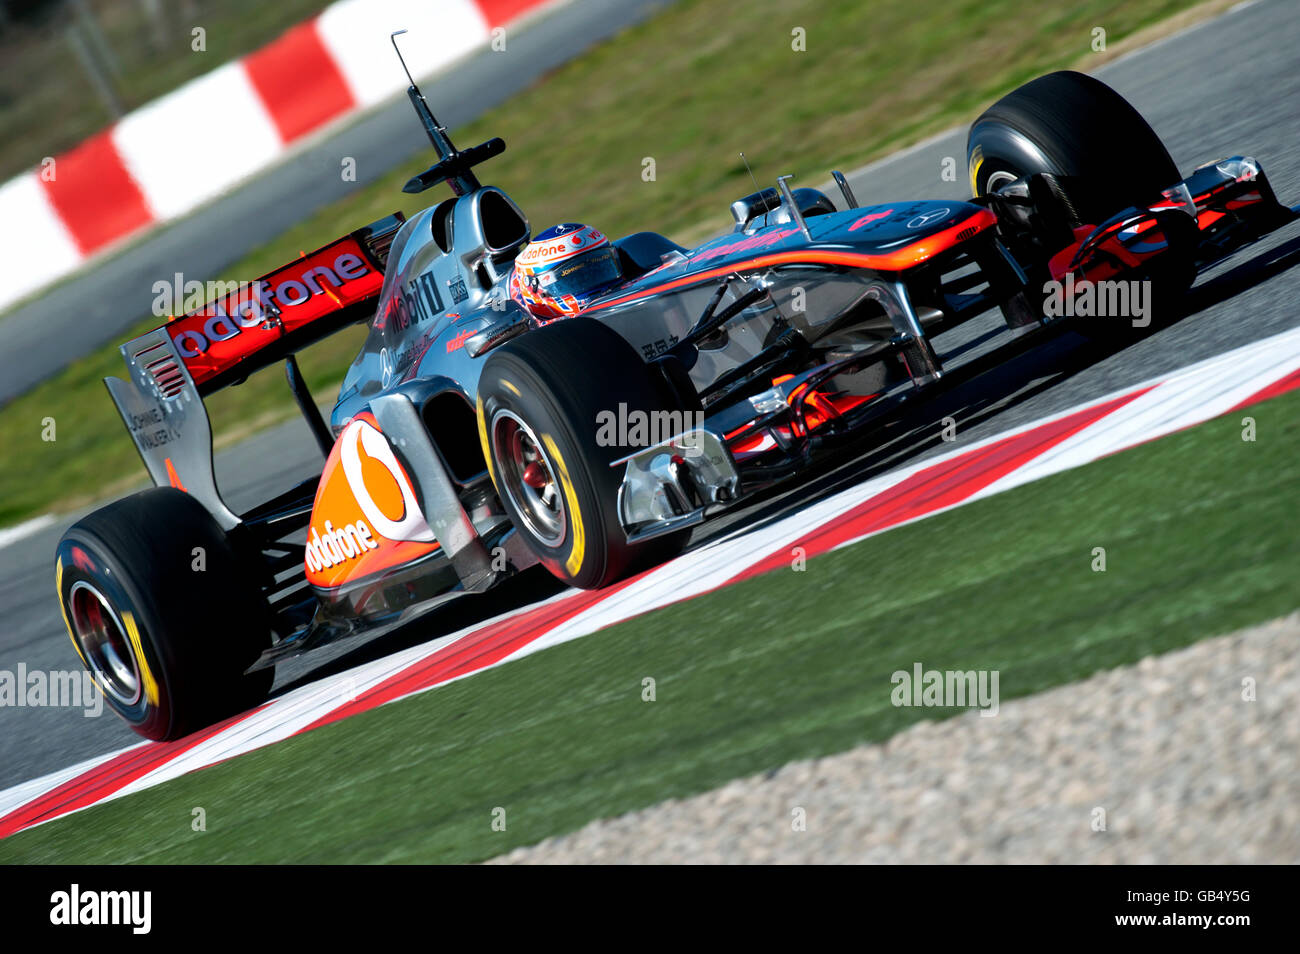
x,y
161,613
540,402
1108,158
1069,124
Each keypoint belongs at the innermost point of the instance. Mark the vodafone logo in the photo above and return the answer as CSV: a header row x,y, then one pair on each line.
x,y
252,308
459,340
410,523
369,502
564,241
337,546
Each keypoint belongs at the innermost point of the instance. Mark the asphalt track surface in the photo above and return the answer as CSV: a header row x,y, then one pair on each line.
x,y
1225,87
77,316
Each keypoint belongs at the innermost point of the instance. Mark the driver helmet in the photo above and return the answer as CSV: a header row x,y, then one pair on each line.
x,y
563,269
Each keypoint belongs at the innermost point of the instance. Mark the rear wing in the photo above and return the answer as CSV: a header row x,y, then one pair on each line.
x,y
257,323
252,325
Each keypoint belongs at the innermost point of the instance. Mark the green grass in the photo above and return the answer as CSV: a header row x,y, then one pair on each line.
x,y
690,88
1200,532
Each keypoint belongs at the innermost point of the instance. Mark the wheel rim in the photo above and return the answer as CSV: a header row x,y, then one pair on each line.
x,y
528,478
102,638
998,179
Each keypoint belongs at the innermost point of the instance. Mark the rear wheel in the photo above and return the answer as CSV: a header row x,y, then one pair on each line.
x,y
162,614
542,400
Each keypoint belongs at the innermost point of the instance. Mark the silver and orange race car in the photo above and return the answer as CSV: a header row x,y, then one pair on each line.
x,y
471,440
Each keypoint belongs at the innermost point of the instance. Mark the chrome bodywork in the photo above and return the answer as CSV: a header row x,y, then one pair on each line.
x,y
790,268
800,297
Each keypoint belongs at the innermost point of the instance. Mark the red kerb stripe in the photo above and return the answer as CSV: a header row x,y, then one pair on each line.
x,y
498,12
940,485
104,780
298,82
474,651
94,194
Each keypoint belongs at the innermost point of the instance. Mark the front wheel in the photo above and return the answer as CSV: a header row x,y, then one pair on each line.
x,y
1070,125
162,613
1086,154
545,404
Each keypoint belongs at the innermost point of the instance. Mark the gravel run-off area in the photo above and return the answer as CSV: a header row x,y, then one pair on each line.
x,y
1168,754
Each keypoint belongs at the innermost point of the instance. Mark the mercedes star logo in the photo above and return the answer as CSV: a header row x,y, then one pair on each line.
x,y
925,218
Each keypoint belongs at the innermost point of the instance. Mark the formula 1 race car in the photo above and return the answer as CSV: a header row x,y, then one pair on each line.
x,y
471,439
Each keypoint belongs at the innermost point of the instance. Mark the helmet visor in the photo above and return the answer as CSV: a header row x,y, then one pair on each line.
x,y
583,275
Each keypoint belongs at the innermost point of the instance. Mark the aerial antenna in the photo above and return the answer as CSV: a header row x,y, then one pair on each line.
x,y
437,135
393,38
454,166
751,172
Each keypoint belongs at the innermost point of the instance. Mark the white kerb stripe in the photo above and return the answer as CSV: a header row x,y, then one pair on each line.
x,y
356,34
1191,396
27,792
198,141
35,245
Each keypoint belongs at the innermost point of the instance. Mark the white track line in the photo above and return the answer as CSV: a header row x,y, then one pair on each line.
x,y
11,535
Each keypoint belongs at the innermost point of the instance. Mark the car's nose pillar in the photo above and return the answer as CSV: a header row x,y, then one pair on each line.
x,y
923,365
402,425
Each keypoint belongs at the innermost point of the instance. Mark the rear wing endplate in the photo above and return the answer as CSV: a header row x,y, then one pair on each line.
x,y
165,416
172,368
